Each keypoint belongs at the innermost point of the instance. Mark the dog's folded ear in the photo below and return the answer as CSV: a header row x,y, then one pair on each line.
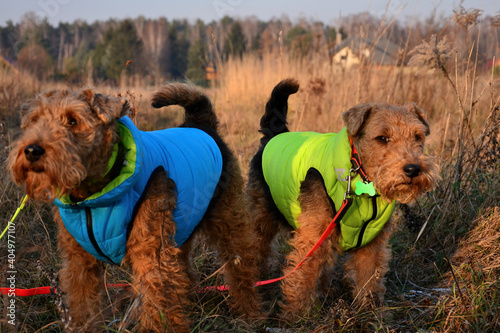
x,y
355,118
420,115
107,108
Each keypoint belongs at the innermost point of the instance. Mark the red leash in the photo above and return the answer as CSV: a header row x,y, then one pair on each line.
x,y
26,292
46,290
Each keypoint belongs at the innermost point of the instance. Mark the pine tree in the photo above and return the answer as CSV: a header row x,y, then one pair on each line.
x,y
118,47
235,44
179,47
173,59
197,62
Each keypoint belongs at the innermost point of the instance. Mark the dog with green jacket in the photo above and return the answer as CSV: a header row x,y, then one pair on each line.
x,y
338,187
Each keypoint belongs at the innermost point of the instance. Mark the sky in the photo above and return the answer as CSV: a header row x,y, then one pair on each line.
x,y
327,11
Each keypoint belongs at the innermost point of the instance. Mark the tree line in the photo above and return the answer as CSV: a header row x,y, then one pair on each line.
x,y
159,49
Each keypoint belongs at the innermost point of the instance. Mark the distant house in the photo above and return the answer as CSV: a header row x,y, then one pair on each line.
x,y
353,50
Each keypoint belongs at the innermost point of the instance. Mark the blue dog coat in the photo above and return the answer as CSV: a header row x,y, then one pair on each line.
x,y
190,157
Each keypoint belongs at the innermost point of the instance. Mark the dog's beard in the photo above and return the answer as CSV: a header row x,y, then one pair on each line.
x,y
47,178
403,188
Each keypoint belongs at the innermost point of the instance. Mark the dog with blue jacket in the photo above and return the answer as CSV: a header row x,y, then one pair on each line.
x,y
123,196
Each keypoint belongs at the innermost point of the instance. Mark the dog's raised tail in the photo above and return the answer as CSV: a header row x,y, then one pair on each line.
x,y
274,120
199,110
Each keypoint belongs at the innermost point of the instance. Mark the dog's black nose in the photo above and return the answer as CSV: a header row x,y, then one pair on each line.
x,y
412,170
33,152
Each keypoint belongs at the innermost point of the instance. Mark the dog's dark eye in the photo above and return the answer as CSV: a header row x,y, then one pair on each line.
x,y
72,122
382,139
419,138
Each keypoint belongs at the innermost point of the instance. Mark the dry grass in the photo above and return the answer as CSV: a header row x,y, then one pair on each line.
x,y
477,266
454,221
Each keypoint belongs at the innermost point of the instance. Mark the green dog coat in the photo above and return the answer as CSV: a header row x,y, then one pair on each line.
x,y
289,156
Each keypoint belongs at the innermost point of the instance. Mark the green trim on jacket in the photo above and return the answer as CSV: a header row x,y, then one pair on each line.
x,y
289,156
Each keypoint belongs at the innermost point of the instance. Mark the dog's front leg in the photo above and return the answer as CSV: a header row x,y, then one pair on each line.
x,y
81,278
299,288
160,279
367,267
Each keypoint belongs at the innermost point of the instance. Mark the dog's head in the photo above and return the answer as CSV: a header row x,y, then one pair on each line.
x,y
390,141
67,138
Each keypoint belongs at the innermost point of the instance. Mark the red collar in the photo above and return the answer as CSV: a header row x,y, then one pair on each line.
x,y
356,162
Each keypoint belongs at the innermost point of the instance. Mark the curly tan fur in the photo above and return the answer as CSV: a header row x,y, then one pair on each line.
x,y
390,142
66,143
